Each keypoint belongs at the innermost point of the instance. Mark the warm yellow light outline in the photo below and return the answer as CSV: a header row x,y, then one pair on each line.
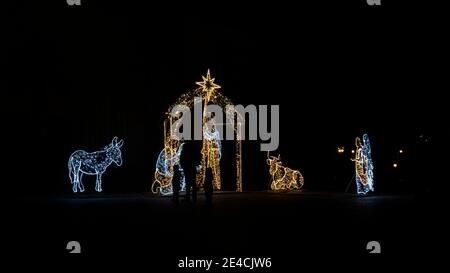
x,y
283,178
208,90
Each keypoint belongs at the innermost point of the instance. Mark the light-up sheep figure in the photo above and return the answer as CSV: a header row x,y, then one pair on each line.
x,y
363,166
165,169
211,155
82,162
283,178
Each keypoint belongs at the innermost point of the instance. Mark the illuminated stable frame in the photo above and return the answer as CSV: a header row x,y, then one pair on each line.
x,y
169,157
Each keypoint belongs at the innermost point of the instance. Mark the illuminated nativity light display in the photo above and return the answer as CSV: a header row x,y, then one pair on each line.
x,y
363,166
169,158
283,178
95,163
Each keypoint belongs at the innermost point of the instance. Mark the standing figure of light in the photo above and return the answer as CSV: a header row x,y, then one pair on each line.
x,y
211,155
363,166
283,178
367,151
95,163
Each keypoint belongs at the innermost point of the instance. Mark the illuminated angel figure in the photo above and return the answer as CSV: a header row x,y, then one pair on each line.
x,y
363,166
367,151
368,154
81,162
283,178
211,154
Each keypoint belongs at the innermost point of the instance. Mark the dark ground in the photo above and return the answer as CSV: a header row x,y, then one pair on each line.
x,y
291,228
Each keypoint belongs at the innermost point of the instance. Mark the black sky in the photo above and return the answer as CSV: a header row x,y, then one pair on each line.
x,y
77,76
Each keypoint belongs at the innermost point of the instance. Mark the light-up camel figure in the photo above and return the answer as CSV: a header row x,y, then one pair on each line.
x,y
363,166
82,162
283,178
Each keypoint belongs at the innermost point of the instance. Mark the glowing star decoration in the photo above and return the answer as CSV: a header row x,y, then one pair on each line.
x,y
95,163
363,166
208,86
211,146
283,178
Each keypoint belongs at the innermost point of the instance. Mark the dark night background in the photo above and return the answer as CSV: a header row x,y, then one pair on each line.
x,y
77,76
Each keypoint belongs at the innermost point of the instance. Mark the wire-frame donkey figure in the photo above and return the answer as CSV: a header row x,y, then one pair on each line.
x,y
95,163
